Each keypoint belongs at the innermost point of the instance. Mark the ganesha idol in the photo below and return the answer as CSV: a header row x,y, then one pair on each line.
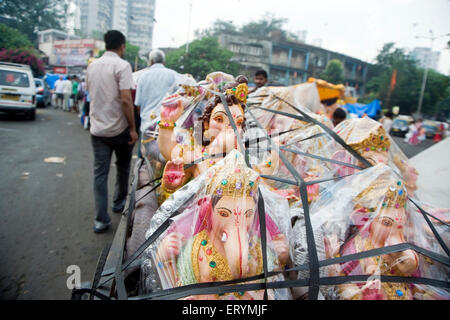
x,y
368,210
217,237
369,139
212,135
307,138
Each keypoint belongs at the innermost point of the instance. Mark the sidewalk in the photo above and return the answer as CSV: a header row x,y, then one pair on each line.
x,y
433,165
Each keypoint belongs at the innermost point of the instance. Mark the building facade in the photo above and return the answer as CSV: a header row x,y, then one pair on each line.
x,y
289,63
134,18
426,58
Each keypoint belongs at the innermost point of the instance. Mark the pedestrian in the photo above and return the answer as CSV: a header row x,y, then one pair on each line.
x,y
74,97
439,135
260,80
339,115
59,91
67,90
413,133
386,121
109,81
153,85
81,97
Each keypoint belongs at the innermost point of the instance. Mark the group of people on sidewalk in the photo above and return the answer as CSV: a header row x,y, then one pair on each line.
x,y
70,94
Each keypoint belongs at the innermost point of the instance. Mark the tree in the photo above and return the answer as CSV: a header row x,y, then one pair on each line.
x,y
204,56
408,83
131,53
13,39
334,72
30,16
24,56
266,27
219,26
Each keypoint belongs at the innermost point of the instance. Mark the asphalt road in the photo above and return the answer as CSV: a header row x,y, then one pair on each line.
x,y
47,209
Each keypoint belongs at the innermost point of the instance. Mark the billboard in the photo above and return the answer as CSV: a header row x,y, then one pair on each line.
x,y
75,52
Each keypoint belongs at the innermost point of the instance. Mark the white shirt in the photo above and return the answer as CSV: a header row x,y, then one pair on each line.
x,y
153,85
105,77
59,86
67,84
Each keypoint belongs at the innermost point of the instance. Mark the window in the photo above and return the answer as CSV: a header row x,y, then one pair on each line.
x,y
15,79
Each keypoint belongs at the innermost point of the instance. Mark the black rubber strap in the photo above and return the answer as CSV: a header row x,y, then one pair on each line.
x,y
312,251
262,225
286,114
316,157
433,229
335,136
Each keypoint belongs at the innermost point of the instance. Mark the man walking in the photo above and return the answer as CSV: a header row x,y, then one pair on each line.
x,y
109,80
153,85
67,90
59,91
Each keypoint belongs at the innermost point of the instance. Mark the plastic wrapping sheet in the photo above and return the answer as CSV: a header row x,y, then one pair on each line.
x,y
194,97
302,145
366,211
216,237
305,95
370,140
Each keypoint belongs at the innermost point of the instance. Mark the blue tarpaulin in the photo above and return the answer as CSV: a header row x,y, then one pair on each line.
x,y
370,109
51,78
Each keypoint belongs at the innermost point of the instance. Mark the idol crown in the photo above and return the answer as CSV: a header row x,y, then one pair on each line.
x,y
232,178
240,92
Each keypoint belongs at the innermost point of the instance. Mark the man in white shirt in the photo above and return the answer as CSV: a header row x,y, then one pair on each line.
x,y
153,85
67,90
59,91
109,81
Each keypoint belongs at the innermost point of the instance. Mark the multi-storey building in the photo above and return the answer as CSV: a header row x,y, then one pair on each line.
x,y
133,18
95,16
426,58
291,62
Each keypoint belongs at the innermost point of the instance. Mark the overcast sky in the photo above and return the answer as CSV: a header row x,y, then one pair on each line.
x,y
358,28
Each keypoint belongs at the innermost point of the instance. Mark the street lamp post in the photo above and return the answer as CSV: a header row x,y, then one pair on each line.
x,y
427,67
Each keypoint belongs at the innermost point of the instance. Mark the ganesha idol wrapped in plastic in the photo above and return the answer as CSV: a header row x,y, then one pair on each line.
x,y
218,237
366,211
369,139
305,141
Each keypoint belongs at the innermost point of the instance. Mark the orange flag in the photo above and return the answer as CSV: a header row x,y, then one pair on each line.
x,y
394,79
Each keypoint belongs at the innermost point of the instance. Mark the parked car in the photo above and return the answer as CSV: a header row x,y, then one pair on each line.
x,y
430,128
17,89
399,127
43,94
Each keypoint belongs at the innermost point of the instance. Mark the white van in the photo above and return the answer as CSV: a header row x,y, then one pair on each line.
x,y
17,89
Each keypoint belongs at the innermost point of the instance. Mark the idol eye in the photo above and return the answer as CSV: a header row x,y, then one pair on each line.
x,y
218,120
386,222
248,213
224,214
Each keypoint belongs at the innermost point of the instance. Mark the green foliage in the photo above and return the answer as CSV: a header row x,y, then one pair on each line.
x,y
268,25
334,72
131,53
24,56
12,38
30,16
408,82
204,56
